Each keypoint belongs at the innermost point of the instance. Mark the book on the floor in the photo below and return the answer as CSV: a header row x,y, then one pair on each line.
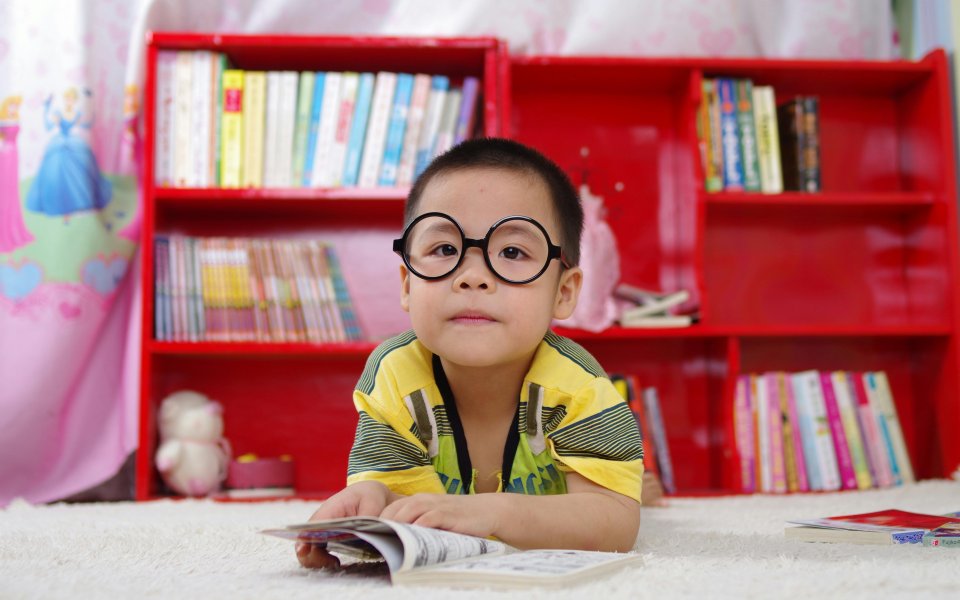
x,y
882,527
422,555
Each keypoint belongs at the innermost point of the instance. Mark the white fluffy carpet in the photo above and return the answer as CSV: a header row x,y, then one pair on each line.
x,y
697,547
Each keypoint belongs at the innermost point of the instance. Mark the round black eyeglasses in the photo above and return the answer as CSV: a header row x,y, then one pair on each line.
x,y
517,249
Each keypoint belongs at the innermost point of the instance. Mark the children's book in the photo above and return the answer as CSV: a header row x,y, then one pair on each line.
x,y
882,527
426,556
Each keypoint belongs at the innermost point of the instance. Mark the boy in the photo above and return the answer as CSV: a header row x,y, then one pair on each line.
x,y
481,397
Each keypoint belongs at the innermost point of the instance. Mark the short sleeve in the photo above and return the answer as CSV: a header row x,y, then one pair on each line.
x,y
596,436
385,449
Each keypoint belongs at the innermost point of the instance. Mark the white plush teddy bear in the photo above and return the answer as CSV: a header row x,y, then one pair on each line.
x,y
193,454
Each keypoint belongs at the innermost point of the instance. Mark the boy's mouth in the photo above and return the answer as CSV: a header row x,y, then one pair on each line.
x,y
472,317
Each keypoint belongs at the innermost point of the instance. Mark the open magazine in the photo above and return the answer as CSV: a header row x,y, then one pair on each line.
x,y
882,527
421,555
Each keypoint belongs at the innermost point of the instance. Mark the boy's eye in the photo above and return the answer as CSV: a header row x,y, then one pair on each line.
x,y
445,250
512,253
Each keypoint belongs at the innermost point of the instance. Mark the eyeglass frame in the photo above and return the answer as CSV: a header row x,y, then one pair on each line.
x,y
553,251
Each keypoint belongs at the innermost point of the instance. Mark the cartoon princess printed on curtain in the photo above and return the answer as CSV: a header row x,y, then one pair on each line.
x,y
69,179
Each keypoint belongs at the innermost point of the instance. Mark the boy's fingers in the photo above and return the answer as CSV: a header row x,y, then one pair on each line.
x,y
314,556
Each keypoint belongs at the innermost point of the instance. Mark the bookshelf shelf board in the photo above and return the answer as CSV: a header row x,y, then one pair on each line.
x,y
895,201
358,350
715,331
200,195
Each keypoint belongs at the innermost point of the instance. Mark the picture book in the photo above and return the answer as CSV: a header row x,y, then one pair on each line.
x,y
426,556
882,527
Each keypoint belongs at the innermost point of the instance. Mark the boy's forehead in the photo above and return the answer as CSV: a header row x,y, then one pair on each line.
x,y
478,197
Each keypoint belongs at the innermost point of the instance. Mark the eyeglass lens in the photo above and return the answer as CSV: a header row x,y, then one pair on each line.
x,y
517,249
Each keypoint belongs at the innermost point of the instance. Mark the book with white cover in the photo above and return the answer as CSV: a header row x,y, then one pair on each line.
x,y
411,138
376,135
809,385
322,175
289,81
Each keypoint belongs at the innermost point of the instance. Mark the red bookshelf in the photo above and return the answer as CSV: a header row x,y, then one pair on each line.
x,y
862,276
284,398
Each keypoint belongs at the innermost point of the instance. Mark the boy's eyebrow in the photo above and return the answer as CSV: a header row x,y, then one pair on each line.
x,y
512,227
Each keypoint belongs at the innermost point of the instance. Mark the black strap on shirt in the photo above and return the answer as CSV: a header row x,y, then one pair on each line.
x,y
460,439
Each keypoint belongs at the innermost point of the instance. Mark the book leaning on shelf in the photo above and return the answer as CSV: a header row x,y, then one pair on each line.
x,y
818,431
224,127
241,289
644,402
652,309
425,556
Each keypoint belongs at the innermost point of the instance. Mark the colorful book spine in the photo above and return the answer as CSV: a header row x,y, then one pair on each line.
x,y
846,403
439,85
331,310
811,145
163,142
651,405
791,133
848,477
411,138
350,324
743,89
466,120
761,397
301,127
232,127
711,152
216,109
376,137
870,385
314,131
744,432
322,175
730,136
348,98
393,146
808,433
254,113
889,412
788,433
161,284
358,130
873,440
792,418
768,139
778,472
826,453
448,122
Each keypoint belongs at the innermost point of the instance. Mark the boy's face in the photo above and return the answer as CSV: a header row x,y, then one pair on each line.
x,y
471,318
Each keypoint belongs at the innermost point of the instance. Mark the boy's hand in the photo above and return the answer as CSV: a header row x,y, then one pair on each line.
x,y
473,515
363,499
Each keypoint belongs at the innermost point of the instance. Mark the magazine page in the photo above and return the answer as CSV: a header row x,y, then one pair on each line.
x,y
530,567
849,525
425,546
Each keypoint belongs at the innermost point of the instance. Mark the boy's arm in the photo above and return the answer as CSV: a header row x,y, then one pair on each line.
x,y
587,517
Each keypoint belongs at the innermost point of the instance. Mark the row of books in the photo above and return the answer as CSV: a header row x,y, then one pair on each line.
x,y
223,127
748,143
242,289
645,404
818,431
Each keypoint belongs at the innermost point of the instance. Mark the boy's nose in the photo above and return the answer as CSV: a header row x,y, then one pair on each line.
x,y
473,271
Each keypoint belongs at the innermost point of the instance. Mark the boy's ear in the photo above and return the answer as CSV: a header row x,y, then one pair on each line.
x,y
567,292
404,288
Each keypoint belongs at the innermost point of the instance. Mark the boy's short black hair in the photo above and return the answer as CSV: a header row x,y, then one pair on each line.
x,y
501,153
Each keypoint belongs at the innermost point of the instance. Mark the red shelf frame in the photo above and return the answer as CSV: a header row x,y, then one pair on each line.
x,y
863,275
